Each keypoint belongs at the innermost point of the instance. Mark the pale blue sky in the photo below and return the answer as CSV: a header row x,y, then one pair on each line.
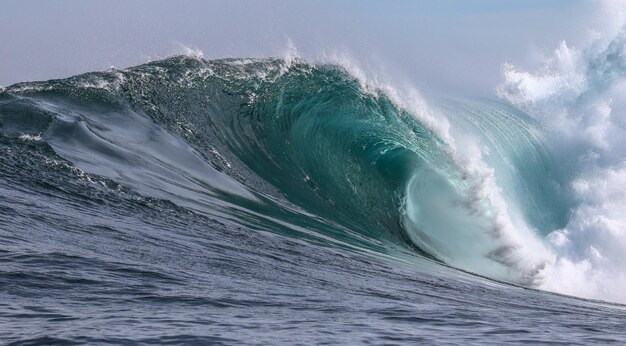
x,y
450,45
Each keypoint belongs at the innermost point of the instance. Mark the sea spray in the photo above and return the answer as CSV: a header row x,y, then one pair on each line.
x,y
577,97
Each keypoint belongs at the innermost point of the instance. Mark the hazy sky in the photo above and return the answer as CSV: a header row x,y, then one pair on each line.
x,y
443,45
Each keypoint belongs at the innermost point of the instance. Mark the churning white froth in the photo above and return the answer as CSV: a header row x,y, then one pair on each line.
x,y
579,97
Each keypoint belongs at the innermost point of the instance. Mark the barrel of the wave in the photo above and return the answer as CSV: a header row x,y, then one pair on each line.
x,y
340,151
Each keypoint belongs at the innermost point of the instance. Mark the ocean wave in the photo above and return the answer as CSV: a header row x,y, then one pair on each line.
x,y
311,148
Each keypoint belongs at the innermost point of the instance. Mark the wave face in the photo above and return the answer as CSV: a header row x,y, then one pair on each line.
x,y
181,172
